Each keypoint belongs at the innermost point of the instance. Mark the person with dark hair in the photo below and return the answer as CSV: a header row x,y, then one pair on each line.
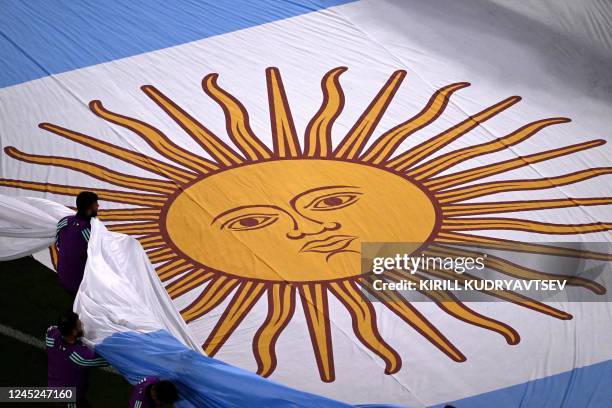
x,y
68,359
71,241
152,392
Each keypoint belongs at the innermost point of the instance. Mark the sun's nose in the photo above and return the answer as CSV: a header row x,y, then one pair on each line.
x,y
295,234
331,226
316,228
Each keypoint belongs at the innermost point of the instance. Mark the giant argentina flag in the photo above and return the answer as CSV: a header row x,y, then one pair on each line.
x,y
252,147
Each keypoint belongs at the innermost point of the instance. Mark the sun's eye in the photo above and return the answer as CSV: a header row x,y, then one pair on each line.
x,y
333,201
250,222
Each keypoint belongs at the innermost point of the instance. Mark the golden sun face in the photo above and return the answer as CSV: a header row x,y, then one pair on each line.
x,y
295,221
286,223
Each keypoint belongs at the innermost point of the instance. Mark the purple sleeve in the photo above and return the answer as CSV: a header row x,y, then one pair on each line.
x,y
85,352
138,394
52,336
86,357
61,224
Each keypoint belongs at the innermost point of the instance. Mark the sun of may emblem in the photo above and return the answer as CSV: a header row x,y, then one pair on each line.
x,y
284,224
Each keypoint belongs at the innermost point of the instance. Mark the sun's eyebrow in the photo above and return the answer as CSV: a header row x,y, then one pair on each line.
x,y
231,210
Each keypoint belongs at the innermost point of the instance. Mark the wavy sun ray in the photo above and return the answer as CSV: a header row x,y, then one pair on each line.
x,y
317,140
185,267
237,121
364,323
281,305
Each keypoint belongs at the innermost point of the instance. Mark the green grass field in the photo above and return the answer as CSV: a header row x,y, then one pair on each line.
x,y
31,301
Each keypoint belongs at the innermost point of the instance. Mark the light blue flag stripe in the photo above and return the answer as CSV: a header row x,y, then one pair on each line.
x,y
585,387
40,38
202,381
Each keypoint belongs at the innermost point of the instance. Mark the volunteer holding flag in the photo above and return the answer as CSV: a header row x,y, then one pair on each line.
x,y
68,359
71,242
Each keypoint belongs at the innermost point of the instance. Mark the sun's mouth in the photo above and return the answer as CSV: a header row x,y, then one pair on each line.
x,y
330,244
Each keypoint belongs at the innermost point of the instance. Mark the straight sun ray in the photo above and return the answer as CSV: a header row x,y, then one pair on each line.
x,y
316,311
130,214
446,301
364,323
353,143
511,269
237,121
284,136
413,156
218,149
281,305
243,301
156,139
446,161
188,281
215,292
462,177
385,145
161,255
317,139
484,189
470,224
469,240
454,210
149,241
136,228
137,159
408,313
172,269
145,200
96,171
